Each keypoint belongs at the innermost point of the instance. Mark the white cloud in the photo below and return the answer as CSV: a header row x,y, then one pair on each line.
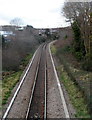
x,y
39,13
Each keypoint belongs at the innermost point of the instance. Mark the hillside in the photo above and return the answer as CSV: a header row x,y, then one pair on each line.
x,y
17,45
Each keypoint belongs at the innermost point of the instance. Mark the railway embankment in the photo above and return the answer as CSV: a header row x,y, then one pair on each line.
x,y
75,80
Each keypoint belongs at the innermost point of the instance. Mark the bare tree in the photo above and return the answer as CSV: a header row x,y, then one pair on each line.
x,y
16,22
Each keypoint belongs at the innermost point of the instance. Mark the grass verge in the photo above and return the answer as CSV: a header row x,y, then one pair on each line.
x,y
8,84
53,49
75,94
10,81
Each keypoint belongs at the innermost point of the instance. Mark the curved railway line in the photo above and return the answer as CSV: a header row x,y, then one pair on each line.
x,y
37,106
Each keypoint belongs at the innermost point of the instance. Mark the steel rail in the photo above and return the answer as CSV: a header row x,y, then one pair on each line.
x,y
33,89
16,92
45,102
45,106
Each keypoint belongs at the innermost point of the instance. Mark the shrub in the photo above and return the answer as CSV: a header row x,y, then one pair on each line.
x,y
78,55
40,39
65,37
67,49
87,64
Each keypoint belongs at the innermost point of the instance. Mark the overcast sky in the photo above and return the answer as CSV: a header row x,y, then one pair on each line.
x,y
38,13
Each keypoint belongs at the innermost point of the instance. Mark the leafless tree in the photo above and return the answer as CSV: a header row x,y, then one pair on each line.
x,y
16,22
21,44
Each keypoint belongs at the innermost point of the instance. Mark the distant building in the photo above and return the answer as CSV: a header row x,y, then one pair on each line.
x,y
5,35
19,28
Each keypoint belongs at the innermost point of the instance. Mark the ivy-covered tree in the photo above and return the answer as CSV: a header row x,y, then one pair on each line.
x,y
79,14
78,45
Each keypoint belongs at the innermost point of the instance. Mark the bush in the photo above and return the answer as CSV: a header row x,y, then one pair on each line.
x,y
67,49
65,37
78,55
40,39
87,65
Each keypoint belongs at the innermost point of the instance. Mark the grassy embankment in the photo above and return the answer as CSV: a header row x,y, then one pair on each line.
x,y
9,81
76,94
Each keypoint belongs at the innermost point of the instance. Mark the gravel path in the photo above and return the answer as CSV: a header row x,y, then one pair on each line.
x,y
21,102
52,82
71,109
54,103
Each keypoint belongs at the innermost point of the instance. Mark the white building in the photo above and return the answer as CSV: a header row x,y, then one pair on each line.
x,y
7,33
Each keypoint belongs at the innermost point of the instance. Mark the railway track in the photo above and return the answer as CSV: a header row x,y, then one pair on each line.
x,y
37,106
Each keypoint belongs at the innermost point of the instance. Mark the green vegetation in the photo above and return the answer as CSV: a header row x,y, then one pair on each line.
x,y
25,61
12,79
55,36
41,39
8,85
78,46
53,49
76,96
78,75
65,37
81,23
75,80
